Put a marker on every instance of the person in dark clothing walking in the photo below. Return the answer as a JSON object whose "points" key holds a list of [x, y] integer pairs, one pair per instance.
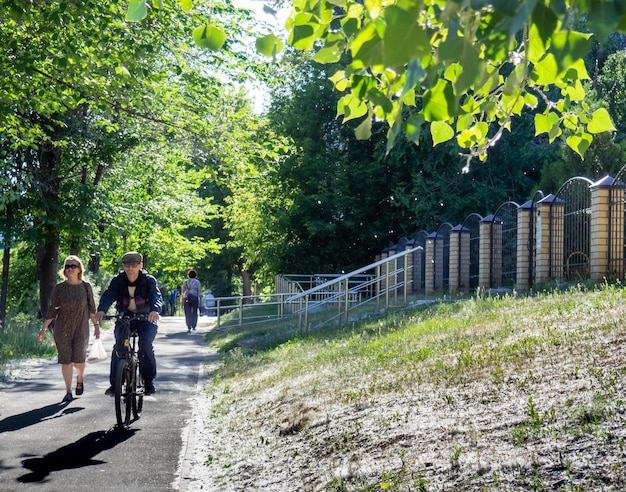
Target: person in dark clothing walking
{"points": [[191, 295], [134, 291]]}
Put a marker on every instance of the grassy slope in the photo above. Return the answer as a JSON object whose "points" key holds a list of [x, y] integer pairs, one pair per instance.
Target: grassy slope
{"points": [[513, 393]]}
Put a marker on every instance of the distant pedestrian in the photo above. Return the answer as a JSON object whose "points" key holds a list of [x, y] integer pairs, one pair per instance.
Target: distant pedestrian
{"points": [[171, 299], [192, 293], [71, 306], [208, 302]]}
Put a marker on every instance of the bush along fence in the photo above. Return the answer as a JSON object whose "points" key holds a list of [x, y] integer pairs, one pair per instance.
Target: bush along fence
{"points": [[576, 234]]}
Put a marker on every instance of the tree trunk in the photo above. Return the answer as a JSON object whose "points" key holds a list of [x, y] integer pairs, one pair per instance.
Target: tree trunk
{"points": [[6, 257], [47, 268], [48, 251], [246, 278]]}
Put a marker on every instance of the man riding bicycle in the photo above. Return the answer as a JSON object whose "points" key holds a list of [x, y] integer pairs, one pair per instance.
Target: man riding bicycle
{"points": [[135, 292]]}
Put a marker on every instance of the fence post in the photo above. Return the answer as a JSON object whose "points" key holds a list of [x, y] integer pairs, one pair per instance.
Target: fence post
{"points": [[484, 263], [600, 204], [455, 259], [429, 287], [524, 247]]}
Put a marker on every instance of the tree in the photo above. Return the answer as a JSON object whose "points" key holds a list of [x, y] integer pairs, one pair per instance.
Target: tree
{"points": [[76, 101]]}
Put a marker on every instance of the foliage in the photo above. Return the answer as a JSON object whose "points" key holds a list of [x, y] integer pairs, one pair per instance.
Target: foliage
{"points": [[101, 120], [460, 67]]}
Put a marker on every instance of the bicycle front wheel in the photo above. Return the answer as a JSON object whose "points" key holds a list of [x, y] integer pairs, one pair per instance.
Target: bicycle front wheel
{"points": [[123, 393], [138, 394]]}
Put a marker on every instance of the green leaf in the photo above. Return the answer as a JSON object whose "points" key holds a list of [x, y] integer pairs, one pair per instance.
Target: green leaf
{"points": [[209, 37], [340, 80], [569, 47], [545, 71], [378, 98], [269, 45], [544, 23], [404, 39], [328, 54], [392, 134], [600, 122], [575, 92], [302, 34], [441, 132], [602, 19], [544, 123], [579, 143], [351, 107], [530, 100], [367, 47], [364, 130], [414, 73], [137, 10], [185, 5], [439, 102], [413, 127]]}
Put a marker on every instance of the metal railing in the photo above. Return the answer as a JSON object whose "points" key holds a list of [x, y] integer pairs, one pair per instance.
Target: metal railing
{"points": [[368, 291]]}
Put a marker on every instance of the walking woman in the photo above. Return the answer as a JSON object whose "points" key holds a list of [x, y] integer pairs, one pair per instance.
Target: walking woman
{"points": [[71, 307], [191, 295]]}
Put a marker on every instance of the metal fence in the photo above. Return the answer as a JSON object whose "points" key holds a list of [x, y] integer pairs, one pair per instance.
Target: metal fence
{"points": [[338, 299]]}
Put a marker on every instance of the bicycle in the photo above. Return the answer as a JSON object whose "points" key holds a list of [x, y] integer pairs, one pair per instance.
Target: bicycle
{"points": [[129, 386]]}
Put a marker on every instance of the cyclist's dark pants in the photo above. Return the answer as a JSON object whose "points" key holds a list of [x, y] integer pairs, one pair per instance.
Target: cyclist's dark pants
{"points": [[147, 363]]}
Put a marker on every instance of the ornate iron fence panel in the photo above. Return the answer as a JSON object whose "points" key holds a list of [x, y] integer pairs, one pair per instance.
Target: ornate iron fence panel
{"points": [[472, 224], [503, 267], [617, 231], [570, 233], [442, 257]]}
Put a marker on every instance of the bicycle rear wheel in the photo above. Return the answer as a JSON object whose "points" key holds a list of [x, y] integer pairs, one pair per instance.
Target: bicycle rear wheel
{"points": [[123, 393]]}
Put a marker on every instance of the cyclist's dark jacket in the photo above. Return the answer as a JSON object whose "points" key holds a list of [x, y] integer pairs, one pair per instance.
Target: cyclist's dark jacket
{"points": [[147, 294]]}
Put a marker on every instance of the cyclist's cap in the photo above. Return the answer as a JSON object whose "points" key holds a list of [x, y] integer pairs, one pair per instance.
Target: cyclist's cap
{"points": [[132, 256]]}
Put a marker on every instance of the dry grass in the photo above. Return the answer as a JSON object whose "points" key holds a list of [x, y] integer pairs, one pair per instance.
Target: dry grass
{"points": [[513, 393]]}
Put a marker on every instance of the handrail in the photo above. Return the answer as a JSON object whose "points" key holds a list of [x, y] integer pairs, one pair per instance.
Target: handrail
{"points": [[380, 281], [354, 272]]}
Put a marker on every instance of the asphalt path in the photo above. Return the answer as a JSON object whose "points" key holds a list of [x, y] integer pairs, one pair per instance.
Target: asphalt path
{"points": [[46, 445]]}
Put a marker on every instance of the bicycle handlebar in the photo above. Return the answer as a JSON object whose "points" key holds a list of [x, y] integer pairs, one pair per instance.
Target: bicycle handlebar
{"points": [[126, 317]]}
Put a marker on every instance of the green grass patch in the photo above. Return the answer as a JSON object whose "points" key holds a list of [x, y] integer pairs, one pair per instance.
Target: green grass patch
{"points": [[18, 340]]}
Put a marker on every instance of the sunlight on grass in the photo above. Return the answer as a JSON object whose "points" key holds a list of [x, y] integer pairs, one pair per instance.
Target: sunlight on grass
{"points": [[539, 361]]}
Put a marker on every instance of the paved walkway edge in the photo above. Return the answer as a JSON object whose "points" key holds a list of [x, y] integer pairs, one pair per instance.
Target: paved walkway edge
{"points": [[186, 461]]}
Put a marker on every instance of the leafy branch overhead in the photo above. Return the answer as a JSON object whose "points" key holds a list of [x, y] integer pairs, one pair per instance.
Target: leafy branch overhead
{"points": [[464, 68], [461, 68]]}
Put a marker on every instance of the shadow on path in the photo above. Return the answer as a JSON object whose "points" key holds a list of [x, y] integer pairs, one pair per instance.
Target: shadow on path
{"points": [[32, 417], [75, 455]]}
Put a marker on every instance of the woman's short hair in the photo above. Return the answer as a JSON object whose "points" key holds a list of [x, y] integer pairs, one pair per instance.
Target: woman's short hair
{"points": [[81, 268]]}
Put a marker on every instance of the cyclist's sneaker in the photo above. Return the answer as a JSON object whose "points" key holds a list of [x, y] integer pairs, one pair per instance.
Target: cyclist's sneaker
{"points": [[149, 389], [110, 391]]}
